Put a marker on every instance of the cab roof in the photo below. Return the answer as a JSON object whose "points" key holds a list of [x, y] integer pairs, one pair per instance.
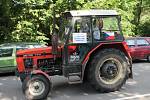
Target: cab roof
{"points": [[92, 12]]}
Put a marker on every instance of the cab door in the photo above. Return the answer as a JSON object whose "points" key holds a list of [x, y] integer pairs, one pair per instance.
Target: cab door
{"points": [[80, 40], [78, 44]]}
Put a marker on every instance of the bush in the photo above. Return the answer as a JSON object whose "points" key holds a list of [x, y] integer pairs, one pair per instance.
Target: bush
{"points": [[144, 28]]}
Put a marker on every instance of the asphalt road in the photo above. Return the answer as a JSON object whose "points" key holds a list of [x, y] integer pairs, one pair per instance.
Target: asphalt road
{"points": [[135, 89]]}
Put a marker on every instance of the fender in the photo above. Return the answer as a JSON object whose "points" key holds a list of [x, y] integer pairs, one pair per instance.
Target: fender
{"points": [[123, 44], [35, 72], [85, 61], [26, 76], [88, 55]]}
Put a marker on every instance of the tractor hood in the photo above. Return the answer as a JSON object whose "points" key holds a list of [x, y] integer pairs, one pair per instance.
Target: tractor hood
{"points": [[34, 51]]}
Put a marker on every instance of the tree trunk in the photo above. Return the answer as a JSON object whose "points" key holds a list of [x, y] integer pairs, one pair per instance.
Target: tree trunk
{"points": [[137, 15]]}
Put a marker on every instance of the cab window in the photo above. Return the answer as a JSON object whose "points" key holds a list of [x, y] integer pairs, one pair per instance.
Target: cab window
{"points": [[106, 28], [7, 52], [81, 30]]}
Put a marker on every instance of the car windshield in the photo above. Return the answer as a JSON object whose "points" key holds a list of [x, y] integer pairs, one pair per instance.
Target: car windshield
{"points": [[130, 42]]}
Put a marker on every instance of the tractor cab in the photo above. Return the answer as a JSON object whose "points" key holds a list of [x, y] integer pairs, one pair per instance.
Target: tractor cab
{"points": [[83, 30]]}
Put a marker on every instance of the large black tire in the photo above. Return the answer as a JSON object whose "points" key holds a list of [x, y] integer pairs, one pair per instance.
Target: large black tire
{"points": [[108, 70], [36, 88]]}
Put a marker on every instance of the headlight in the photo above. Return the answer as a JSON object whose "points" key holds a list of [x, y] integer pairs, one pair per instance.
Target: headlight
{"points": [[28, 62]]}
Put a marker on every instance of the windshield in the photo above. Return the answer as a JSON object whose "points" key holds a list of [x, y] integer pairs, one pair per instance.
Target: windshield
{"points": [[102, 28], [106, 28], [110, 24]]}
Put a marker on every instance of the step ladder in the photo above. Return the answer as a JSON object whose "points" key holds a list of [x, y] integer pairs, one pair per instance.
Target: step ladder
{"points": [[74, 78]]}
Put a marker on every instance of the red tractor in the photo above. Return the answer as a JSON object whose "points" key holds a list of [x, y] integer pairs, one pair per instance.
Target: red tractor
{"points": [[90, 48]]}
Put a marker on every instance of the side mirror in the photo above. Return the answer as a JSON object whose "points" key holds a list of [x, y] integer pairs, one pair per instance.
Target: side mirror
{"points": [[100, 21], [54, 44]]}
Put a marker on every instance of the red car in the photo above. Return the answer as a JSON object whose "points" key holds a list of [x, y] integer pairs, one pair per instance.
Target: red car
{"points": [[139, 47]]}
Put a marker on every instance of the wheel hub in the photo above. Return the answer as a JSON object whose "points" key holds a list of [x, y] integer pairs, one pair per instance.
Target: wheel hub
{"points": [[109, 70], [36, 88]]}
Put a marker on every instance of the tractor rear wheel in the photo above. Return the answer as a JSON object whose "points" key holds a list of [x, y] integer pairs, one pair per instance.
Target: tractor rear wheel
{"points": [[108, 70], [36, 88]]}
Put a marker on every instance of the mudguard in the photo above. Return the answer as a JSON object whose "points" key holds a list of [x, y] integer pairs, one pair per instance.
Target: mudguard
{"points": [[35, 72]]}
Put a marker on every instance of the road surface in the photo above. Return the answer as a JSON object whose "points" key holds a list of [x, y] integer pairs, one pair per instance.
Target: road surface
{"points": [[135, 89]]}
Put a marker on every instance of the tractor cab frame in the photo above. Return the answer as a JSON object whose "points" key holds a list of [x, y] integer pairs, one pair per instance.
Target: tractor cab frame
{"points": [[80, 36]]}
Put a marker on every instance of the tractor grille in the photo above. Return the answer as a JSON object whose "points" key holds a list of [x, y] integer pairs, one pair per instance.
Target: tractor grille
{"points": [[49, 66], [28, 63]]}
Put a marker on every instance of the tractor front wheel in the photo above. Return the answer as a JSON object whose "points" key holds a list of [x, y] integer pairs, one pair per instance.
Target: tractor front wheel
{"points": [[108, 70], [36, 88]]}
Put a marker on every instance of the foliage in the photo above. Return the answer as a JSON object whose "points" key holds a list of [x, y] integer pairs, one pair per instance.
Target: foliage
{"points": [[144, 28], [32, 20], [6, 20], [124, 7], [141, 10]]}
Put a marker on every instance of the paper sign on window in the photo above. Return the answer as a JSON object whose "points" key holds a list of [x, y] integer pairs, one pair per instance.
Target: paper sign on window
{"points": [[79, 37]]}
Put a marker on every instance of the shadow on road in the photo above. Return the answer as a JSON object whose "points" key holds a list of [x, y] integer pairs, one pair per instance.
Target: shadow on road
{"points": [[140, 61], [7, 74]]}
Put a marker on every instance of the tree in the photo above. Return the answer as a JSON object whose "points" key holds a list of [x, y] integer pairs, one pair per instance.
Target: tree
{"points": [[6, 20], [124, 7], [144, 29], [32, 20], [141, 13]]}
